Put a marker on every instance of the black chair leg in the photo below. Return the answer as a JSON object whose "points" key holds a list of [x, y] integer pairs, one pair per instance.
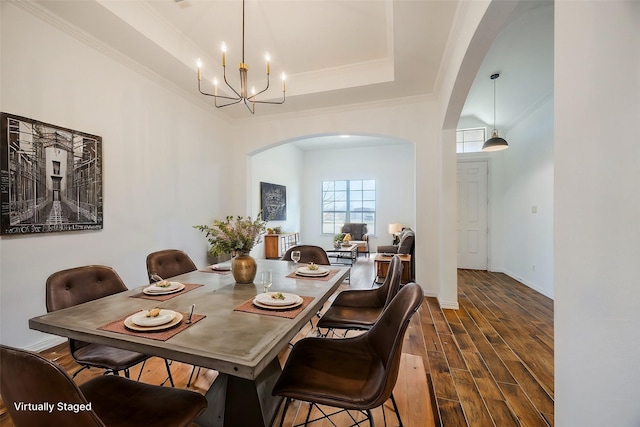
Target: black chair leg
{"points": [[395, 408], [166, 363], [78, 371], [141, 369], [308, 414], [284, 411], [193, 369], [370, 415]]}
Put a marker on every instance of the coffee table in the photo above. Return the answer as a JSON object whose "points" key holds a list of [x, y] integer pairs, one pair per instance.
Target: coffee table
{"points": [[344, 254]]}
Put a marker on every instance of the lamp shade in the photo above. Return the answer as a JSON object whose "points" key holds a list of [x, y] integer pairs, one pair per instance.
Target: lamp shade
{"points": [[495, 143], [394, 228]]}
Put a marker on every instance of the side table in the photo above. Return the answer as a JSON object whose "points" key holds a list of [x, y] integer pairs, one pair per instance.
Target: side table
{"points": [[381, 264]]}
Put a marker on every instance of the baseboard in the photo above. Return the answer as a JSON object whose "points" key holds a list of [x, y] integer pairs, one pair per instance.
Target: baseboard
{"points": [[46, 344], [451, 305], [525, 282]]}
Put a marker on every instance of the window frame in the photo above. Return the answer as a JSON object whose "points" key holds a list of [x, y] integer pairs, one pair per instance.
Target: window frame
{"points": [[475, 142], [346, 196]]}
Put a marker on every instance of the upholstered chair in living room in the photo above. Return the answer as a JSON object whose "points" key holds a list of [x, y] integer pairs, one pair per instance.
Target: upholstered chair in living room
{"points": [[359, 236], [406, 246]]}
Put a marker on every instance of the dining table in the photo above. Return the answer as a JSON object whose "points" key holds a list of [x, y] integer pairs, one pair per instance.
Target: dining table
{"points": [[228, 331]]}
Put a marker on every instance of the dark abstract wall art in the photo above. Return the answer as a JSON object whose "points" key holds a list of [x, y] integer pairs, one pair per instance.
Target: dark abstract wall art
{"points": [[273, 201]]}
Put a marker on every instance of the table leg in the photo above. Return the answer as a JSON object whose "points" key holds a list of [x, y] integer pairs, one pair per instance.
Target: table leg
{"points": [[235, 401]]}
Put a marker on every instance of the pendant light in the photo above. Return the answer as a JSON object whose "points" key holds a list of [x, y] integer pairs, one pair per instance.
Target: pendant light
{"points": [[495, 143]]}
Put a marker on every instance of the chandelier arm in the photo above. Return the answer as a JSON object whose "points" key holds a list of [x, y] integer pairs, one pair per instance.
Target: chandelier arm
{"points": [[252, 108], [219, 96], [224, 76], [271, 102], [235, 101], [253, 97]]}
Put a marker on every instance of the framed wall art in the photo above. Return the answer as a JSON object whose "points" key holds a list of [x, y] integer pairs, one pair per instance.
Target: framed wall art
{"points": [[50, 178], [273, 199]]}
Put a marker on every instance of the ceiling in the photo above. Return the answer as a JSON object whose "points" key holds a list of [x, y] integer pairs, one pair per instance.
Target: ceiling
{"points": [[334, 52]]}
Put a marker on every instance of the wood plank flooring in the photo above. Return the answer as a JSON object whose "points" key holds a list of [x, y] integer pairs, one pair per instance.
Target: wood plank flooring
{"points": [[490, 363]]}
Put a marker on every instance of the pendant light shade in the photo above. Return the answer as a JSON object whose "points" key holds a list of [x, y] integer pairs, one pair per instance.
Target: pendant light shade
{"points": [[495, 143]]}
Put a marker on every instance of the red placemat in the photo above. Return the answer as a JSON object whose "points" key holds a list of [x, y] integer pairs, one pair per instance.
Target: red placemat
{"points": [[187, 287], [290, 313], [118, 326], [323, 278]]}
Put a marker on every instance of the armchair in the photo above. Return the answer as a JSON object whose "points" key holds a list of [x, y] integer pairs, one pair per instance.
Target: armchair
{"points": [[359, 236], [406, 246]]}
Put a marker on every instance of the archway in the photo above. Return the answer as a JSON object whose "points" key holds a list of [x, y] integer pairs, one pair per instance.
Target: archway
{"points": [[302, 163]]}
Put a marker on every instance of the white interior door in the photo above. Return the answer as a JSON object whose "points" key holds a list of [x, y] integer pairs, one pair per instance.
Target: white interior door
{"points": [[473, 215]]}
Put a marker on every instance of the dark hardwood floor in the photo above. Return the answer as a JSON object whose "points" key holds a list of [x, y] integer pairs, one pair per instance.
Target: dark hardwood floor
{"points": [[490, 363]]}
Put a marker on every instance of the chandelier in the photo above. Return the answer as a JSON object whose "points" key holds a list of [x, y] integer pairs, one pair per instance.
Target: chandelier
{"points": [[243, 94]]}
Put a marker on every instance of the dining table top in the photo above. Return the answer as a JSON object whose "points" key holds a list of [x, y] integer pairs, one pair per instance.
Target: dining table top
{"points": [[224, 338]]}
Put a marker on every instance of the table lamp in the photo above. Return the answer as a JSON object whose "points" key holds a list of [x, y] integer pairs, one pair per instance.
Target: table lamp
{"points": [[395, 229]]}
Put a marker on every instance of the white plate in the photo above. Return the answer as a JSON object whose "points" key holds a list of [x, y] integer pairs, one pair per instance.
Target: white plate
{"points": [[277, 307], [128, 323], [157, 290], [304, 271], [141, 318], [267, 299], [221, 267]]}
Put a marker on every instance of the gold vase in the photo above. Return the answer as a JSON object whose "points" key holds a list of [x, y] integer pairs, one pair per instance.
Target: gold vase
{"points": [[244, 268]]}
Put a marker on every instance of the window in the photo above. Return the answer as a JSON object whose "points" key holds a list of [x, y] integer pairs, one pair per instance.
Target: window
{"points": [[348, 201], [470, 140]]}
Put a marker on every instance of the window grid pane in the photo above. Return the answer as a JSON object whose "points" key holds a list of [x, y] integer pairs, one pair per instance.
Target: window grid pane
{"points": [[348, 201], [470, 140]]}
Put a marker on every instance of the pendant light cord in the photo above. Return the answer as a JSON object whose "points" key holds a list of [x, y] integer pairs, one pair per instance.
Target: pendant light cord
{"points": [[494, 77]]}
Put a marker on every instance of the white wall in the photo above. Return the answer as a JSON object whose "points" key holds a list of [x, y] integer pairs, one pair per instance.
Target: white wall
{"points": [[165, 163], [392, 166], [521, 182], [282, 165], [597, 207]]}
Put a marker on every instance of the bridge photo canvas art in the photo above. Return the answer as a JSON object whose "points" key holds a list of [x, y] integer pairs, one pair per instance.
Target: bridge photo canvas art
{"points": [[50, 178]]}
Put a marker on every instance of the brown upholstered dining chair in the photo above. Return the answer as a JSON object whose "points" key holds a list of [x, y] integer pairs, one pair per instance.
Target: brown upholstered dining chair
{"points": [[358, 309], [308, 253], [78, 285], [107, 400], [169, 263], [352, 374]]}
